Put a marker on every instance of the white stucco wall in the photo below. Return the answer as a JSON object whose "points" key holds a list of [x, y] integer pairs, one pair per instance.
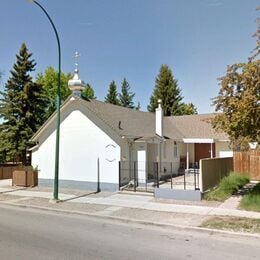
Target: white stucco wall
{"points": [[82, 142]]}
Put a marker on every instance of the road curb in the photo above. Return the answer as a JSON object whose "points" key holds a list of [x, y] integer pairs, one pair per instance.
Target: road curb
{"points": [[129, 220]]}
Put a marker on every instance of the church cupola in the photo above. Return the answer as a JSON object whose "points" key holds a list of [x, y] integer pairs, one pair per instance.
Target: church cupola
{"points": [[76, 85]]}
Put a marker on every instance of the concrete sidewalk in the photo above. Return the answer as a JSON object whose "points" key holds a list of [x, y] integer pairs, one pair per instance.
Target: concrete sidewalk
{"points": [[148, 203], [131, 201]]}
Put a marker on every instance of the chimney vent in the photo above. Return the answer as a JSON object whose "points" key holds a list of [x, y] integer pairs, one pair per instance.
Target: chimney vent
{"points": [[159, 119]]}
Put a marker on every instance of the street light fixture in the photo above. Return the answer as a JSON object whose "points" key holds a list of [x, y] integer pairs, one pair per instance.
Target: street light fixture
{"points": [[56, 174]]}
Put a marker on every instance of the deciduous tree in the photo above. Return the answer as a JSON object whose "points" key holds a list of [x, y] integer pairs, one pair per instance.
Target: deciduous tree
{"points": [[239, 101], [188, 109], [49, 81]]}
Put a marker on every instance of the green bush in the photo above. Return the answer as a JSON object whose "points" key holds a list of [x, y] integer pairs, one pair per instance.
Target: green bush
{"points": [[251, 201], [227, 186]]}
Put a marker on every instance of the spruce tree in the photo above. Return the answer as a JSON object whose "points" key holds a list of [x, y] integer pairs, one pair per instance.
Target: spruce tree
{"points": [[126, 96], [166, 89], [22, 108], [88, 92], [112, 95]]}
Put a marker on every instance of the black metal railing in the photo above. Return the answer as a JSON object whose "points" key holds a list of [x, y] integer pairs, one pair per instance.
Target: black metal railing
{"points": [[145, 176]]}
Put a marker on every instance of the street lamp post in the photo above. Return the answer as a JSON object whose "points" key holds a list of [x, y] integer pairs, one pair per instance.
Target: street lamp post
{"points": [[56, 174]]}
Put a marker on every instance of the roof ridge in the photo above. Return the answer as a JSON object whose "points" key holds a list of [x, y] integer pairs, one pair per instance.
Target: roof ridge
{"points": [[120, 107]]}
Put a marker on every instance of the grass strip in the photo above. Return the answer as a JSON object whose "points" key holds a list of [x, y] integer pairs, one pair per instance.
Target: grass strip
{"points": [[227, 186], [251, 201], [236, 224]]}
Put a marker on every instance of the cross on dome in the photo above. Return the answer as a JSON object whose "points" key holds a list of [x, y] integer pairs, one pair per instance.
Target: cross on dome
{"points": [[76, 85], [76, 57]]}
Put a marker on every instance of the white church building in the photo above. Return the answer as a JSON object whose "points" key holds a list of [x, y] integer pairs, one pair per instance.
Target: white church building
{"points": [[95, 136]]}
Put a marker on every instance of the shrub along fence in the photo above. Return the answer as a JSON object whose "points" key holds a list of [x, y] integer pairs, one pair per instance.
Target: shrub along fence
{"points": [[213, 170], [6, 170], [248, 163]]}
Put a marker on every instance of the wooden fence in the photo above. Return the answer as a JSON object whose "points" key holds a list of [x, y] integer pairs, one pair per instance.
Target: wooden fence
{"points": [[6, 170], [248, 163], [212, 171]]}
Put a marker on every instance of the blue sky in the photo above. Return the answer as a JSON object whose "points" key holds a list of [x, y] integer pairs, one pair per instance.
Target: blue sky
{"points": [[132, 39]]}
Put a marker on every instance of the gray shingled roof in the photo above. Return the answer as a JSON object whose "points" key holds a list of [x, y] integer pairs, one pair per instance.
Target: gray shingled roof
{"points": [[125, 121], [138, 124], [196, 126], [135, 123]]}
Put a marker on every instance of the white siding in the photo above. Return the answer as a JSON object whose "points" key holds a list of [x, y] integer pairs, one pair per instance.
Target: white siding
{"points": [[81, 143]]}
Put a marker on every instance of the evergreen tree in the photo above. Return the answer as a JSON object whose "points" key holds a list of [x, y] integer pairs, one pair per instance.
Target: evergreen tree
{"points": [[88, 92], [112, 95], [166, 89], [22, 108], [49, 81], [126, 96]]}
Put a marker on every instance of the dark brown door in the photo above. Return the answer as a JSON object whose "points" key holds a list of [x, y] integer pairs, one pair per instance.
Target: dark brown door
{"points": [[202, 151]]}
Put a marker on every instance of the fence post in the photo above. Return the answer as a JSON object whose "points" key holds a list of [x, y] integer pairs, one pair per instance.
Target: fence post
{"points": [[194, 173], [198, 179], [157, 174], [135, 176], [184, 179], [146, 178], [171, 175], [98, 176], [119, 173]]}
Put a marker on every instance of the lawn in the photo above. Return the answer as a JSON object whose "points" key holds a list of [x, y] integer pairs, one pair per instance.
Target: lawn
{"points": [[233, 224], [227, 186], [251, 201]]}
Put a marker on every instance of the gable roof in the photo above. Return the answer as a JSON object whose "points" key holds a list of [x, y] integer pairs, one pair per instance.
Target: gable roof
{"points": [[196, 126], [138, 124], [125, 121]]}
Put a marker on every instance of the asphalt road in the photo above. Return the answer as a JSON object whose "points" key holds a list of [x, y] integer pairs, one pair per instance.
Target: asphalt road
{"points": [[35, 234]]}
